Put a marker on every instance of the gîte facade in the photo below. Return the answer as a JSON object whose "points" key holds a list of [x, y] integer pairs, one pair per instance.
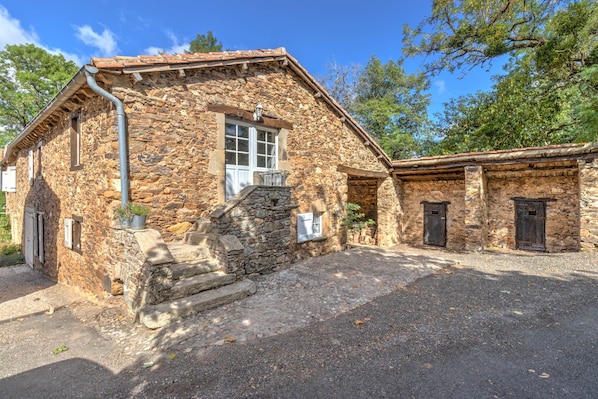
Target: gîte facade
{"points": [[247, 164]]}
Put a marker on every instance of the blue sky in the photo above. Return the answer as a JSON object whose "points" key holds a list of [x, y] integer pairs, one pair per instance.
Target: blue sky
{"points": [[314, 32]]}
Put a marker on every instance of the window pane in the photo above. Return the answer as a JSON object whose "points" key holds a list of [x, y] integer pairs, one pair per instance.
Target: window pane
{"points": [[261, 148], [231, 144], [243, 145], [270, 137], [231, 130], [271, 149], [261, 161], [231, 158], [261, 135], [243, 159], [243, 131], [271, 163]]}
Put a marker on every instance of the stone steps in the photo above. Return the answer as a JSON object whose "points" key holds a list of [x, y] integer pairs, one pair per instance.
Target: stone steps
{"points": [[186, 253], [197, 238], [201, 282], [184, 270], [156, 316]]}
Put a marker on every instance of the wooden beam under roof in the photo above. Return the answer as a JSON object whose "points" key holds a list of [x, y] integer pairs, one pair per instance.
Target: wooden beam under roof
{"points": [[361, 172], [245, 115]]}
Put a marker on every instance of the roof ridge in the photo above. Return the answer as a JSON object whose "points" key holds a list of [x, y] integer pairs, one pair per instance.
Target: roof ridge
{"points": [[124, 61]]}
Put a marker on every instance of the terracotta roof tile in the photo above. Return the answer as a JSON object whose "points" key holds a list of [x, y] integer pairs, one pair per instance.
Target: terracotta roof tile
{"points": [[150, 60]]}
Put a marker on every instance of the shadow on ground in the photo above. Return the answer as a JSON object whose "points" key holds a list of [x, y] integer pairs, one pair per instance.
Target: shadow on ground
{"points": [[460, 332]]}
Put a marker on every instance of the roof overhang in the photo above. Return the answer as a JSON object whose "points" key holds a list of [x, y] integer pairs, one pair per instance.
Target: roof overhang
{"points": [[456, 162], [181, 62]]}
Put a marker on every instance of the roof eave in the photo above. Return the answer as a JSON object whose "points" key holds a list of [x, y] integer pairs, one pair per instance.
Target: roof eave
{"points": [[76, 83], [516, 155]]}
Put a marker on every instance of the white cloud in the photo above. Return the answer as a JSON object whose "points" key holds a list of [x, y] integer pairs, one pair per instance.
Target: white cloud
{"points": [[440, 86], [104, 42], [11, 31], [175, 47]]}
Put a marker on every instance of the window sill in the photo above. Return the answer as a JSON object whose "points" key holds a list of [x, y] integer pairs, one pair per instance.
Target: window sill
{"points": [[315, 239]]}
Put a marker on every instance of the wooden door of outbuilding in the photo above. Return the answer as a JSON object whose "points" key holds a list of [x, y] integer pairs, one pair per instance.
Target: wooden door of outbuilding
{"points": [[435, 223], [530, 224]]}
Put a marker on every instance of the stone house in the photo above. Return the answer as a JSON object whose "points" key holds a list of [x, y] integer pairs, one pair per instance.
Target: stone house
{"points": [[542, 199], [246, 163], [244, 160]]}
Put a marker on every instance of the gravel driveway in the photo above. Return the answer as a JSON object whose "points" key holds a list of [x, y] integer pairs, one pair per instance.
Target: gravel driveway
{"points": [[398, 324]]}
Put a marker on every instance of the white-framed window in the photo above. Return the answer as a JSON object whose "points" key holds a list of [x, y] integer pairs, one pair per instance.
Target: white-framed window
{"points": [[247, 149], [309, 226]]}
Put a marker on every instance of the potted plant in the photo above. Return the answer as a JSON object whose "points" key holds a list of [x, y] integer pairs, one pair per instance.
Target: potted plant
{"points": [[139, 213], [124, 215], [354, 223]]}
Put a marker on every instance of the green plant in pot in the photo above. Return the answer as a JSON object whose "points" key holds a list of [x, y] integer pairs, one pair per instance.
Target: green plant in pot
{"points": [[139, 213], [124, 215], [354, 221]]}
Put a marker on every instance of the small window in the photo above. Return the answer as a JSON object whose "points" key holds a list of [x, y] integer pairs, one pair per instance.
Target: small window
{"points": [[75, 129], [309, 226], [72, 233]]}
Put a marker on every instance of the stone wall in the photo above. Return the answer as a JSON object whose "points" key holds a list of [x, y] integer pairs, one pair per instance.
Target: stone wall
{"points": [[559, 183], [176, 160], [588, 187], [414, 192], [177, 154], [59, 193], [129, 264], [475, 208], [260, 217]]}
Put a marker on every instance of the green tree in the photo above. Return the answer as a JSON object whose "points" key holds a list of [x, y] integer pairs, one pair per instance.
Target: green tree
{"points": [[390, 104], [204, 44], [29, 78], [549, 92]]}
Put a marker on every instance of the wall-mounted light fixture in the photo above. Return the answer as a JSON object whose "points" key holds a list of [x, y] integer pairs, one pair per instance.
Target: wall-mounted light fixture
{"points": [[257, 115]]}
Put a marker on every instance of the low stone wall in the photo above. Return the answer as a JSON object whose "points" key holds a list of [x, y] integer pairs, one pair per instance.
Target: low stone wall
{"points": [[260, 217], [138, 261], [127, 262]]}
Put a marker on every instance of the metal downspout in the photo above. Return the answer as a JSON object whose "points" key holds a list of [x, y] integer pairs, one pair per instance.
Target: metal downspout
{"points": [[90, 72]]}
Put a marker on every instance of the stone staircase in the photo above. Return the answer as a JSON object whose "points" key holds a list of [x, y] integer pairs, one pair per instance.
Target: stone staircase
{"points": [[192, 283]]}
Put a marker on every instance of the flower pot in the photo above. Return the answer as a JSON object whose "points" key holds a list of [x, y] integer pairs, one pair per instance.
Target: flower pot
{"points": [[138, 222], [125, 221]]}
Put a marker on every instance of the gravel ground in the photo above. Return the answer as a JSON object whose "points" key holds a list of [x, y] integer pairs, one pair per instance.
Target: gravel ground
{"points": [[493, 325]]}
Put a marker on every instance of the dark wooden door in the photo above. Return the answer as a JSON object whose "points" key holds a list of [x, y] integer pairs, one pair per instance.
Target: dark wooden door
{"points": [[435, 223], [531, 225]]}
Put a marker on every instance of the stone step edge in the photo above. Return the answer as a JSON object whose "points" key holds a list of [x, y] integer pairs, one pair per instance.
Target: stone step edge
{"points": [[183, 270], [156, 316], [202, 282]]}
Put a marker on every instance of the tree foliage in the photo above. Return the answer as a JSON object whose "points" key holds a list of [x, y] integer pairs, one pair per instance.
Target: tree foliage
{"points": [[204, 44], [390, 104], [549, 92], [29, 78]]}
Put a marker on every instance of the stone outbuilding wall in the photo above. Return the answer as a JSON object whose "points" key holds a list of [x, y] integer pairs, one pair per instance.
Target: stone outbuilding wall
{"points": [[482, 193], [558, 182], [450, 191]]}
